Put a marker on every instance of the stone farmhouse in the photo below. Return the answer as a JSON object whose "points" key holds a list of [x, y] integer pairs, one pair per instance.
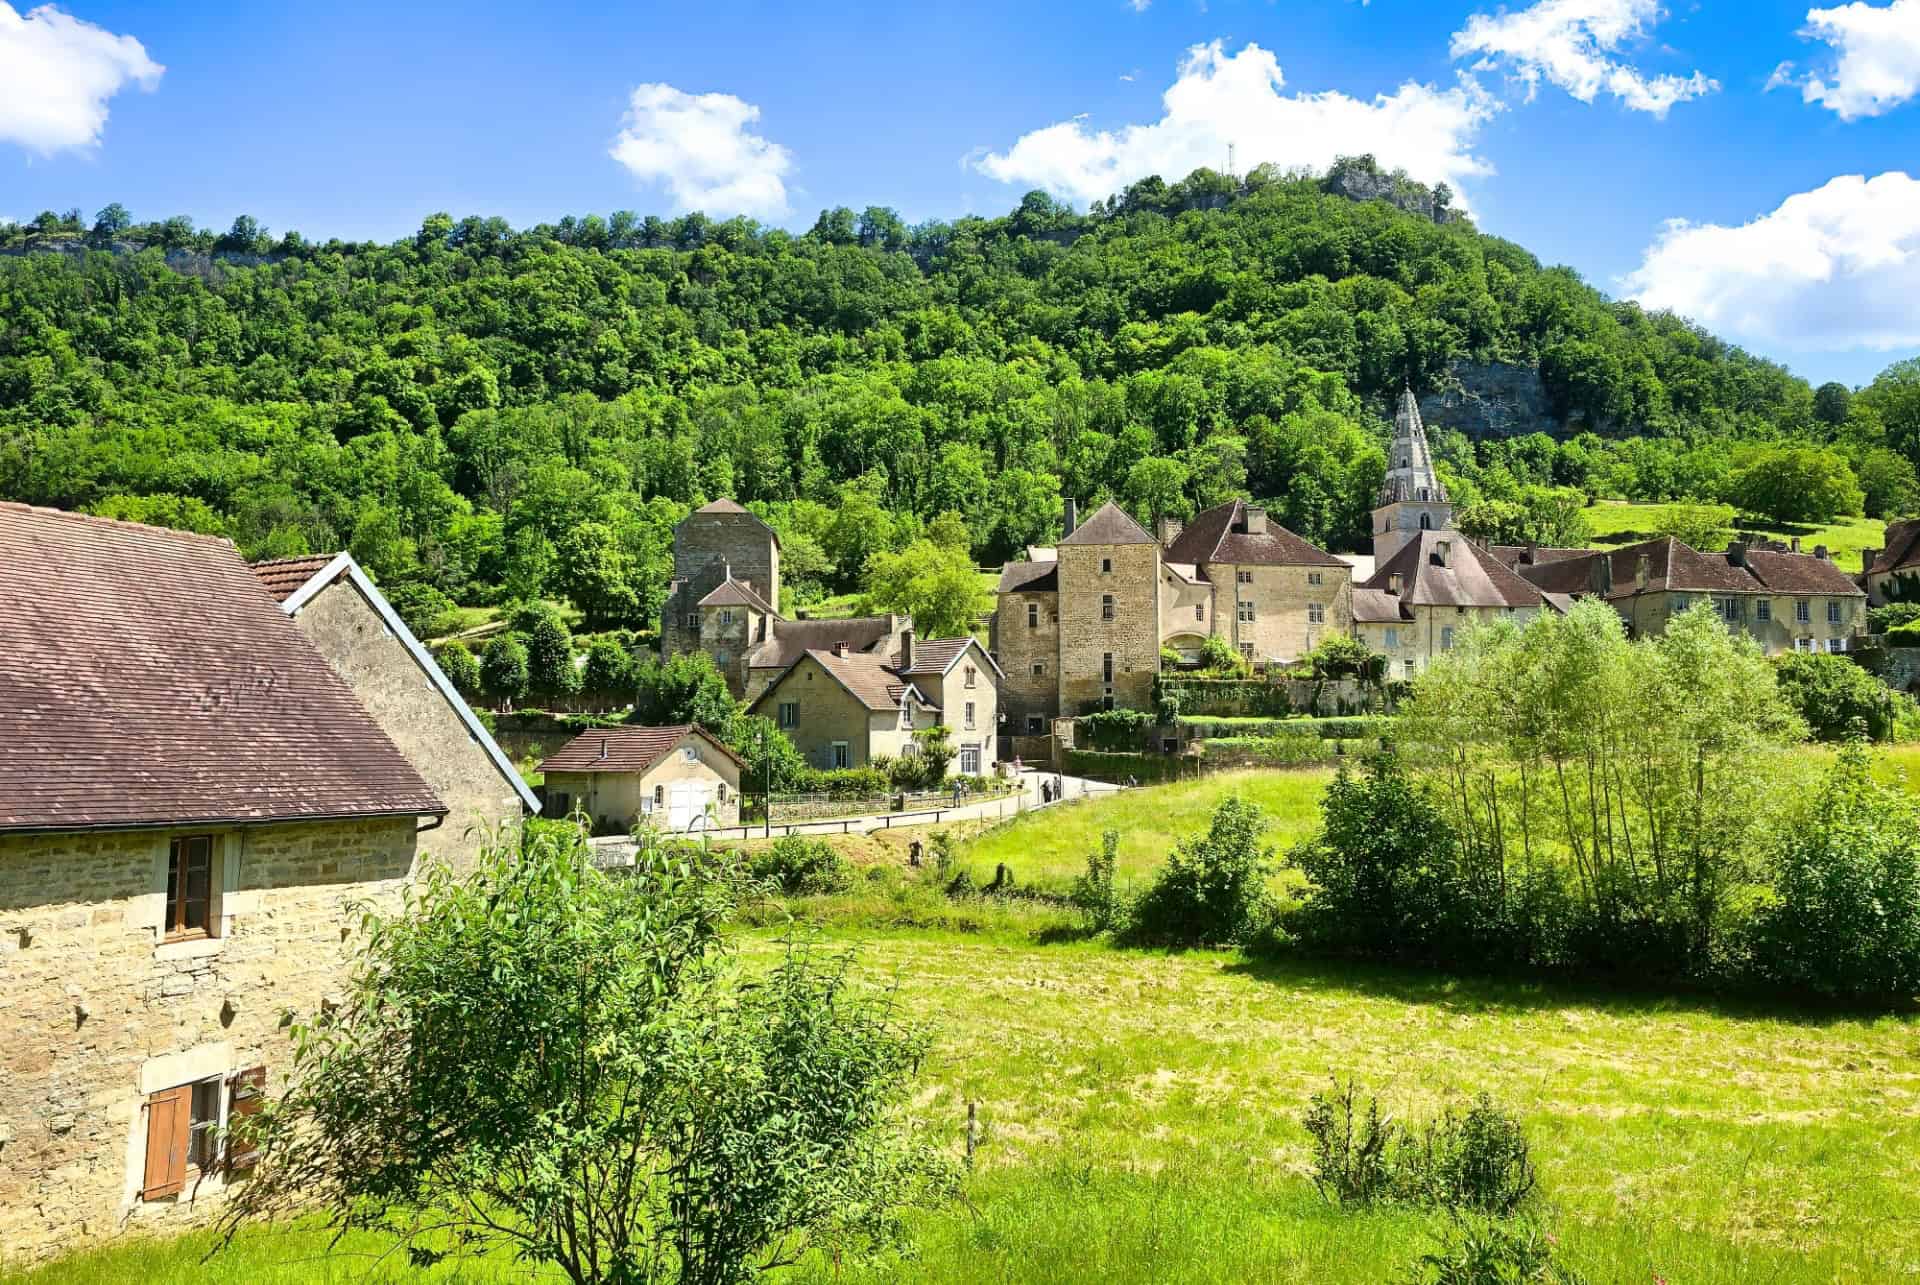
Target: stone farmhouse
{"points": [[192, 802], [1783, 599], [844, 708], [1081, 626], [1892, 574], [679, 779]]}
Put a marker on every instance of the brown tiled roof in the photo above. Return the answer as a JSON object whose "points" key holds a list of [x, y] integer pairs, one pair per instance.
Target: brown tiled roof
{"points": [[1109, 525], [1030, 577], [284, 576], [793, 639], [736, 593], [1220, 535], [626, 749], [867, 675], [1800, 573], [1472, 577], [934, 656], [150, 679], [1902, 548], [1514, 555], [1377, 607]]}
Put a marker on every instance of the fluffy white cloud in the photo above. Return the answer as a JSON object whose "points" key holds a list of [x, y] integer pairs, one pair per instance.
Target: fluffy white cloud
{"points": [[1879, 64], [1568, 43], [1220, 99], [56, 75], [1834, 268], [699, 146]]}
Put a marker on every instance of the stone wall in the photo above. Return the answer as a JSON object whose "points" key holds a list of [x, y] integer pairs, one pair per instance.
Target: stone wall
{"points": [[1132, 637], [416, 717], [1281, 597], [705, 547], [97, 1012], [1028, 693]]}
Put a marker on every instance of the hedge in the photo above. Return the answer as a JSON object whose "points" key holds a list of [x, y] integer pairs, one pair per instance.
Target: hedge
{"points": [[1098, 765], [1341, 728]]}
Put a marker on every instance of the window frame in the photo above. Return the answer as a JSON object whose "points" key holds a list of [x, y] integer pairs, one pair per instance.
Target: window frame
{"points": [[1316, 614], [1106, 606], [176, 906], [1033, 615], [1803, 611], [787, 713]]}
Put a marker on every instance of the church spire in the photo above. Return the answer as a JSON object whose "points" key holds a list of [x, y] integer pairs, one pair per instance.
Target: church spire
{"points": [[1410, 474]]}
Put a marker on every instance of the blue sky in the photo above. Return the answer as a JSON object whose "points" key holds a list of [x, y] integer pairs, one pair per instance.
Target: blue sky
{"points": [[1578, 128]]}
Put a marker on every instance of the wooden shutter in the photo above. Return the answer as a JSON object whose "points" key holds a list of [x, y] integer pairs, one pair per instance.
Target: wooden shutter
{"points": [[246, 1096], [169, 1120]]}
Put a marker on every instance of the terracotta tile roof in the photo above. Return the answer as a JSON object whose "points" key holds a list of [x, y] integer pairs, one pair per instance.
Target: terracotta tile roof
{"points": [[284, 576], [867, 675], [736, 593], [1220, 535], [626, 749], [1800, 573], [1109, 525], [1470, 577], [934, 656], [1902, 549], [1030, 577], [150, 679], [792, 639]]}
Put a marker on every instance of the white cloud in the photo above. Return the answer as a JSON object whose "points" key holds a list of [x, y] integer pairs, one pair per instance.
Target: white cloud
{"points": [[699, 146], [1220, 99], [1567, 43], [56, 75], [1879, 64], [1834, 268]]}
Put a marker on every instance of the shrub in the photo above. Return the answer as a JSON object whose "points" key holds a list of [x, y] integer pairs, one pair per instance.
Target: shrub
{"points": [[503, 667], [1213, 889], [1352, 1149], [1476, 1161], [609, 670], [1882, 619], [1339, 656], [550, 667], [1217, 656], [1836, 697], [460, 667], [1486, 1251], [1116, 730], [1843, 919], [801, 867], [1907, 635], [1094, 892], [422, 608], [844, 782]]}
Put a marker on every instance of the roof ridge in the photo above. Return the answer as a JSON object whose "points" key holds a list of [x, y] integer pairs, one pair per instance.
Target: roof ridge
{"points": [[43, 510], [322, 558]]}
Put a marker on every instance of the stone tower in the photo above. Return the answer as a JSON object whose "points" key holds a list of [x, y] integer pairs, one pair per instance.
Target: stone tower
{"points": [[1411, 499]]}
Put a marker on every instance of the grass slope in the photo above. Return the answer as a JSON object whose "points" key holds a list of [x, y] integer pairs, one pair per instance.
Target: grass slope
{"points": [[1615, 523]]}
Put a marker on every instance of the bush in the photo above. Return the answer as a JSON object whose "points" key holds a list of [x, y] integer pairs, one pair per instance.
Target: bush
{"points": [[1836, 697], [801, 867], [424, 610], [1094, 892], [1881, 620], [503, 667], [1280, 747], [1476, 1161], [1116, 730], [844, 782], [1352, 1149], [1217, 656], [609, 670], [1339, 656], [460, 667], [1843, 919], [1486, 1251], [1213, 889]]}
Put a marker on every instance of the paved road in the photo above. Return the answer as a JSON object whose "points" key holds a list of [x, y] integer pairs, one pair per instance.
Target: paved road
{"points": [[1027, 799]]}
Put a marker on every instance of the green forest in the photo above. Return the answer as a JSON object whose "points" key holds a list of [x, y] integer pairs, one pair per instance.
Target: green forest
{"points": [[487, 414]]}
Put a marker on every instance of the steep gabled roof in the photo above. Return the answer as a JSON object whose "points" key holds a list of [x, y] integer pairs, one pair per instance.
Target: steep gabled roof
{"points": [[1029, 577], [788, 640], [1800, 573], [1220, 535], [1109, 525], [1378, 607], [1469, 577], [736, 593], [940, 655], [277, 575], [149, 679], [627, 749], [1902, 549], [867, 676]]}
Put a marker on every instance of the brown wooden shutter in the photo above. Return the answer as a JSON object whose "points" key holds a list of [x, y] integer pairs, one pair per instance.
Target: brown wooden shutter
{"points": [[169, 1121], [246, 1096]]}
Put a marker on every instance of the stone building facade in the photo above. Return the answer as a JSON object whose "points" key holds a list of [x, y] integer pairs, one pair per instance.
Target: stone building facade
{"points": [[716, 543]]}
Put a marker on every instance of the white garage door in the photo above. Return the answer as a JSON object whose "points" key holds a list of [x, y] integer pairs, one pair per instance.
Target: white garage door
{"points": [[687, 805]]}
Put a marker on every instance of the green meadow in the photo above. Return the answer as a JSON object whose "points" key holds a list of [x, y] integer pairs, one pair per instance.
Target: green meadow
{"points": [[1613, 523]]}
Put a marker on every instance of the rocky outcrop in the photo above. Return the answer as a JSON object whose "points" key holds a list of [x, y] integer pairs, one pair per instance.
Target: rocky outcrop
{"points": [[1362, 182], [1491, 399]]}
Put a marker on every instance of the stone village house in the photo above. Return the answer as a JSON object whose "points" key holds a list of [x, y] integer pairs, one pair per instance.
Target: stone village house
{"points": [[679, 779], [192, 804]]}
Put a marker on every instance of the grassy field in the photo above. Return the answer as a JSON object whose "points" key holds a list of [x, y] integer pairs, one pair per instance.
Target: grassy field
{"points": [[1616, 523]]}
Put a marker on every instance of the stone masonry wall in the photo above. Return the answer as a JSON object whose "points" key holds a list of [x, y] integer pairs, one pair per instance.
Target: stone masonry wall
{"points": [[1132, 636], [1027, 694], [415, 716], [96, 1013], [1282, 628], [705, 546]]}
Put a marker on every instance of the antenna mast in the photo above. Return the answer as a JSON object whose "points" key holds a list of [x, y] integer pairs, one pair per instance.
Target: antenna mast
{"points": [[1231, 173]]}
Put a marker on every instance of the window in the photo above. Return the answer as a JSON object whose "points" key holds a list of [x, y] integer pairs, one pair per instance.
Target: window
{"points": [[1836, 644], [1199, 611], [726, 617], [1246, 650], [1803, 611], [1676, 603], [1393, 636], [1033, 615], [969, 722], [1446, 638], [1763, 609], [1729, 609], [1036, 724], [189, 887], [1407, 666], [789, 713], [840, 756], [1316, 614], [970, 760], [1833, 612], [1039, 669], [1426, 522], [1106, 606], [1246, 612], [721, 795], [693, 621], [659, 796], [906, 714], [1106, 667], [971, 672], [1803, 644], [183, 1129], [1243, 577], [1106, 566], [1313, 577], [688, 754]]}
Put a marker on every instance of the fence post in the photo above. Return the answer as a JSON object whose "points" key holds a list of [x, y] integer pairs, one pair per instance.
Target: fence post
{"points": [[973, 1133]]}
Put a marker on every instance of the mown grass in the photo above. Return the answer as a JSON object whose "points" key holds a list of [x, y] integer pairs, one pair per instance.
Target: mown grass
{"points": [[1615, 523]]}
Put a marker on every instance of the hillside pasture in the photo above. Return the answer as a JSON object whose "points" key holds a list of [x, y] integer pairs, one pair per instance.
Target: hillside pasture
{"points": [[1615, 523]]}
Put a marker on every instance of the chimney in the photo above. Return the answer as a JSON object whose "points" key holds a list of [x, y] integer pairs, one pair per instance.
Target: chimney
{"points": [[1737, 552], [1867, 558], [1442, 551], [840, 647], [1256, 520], [1170, 529], [603, 747], [1530, 554], [1820, 552], [1072, 522], [1641, 566], [906, 648], [1393, 584], [1601, 577]]}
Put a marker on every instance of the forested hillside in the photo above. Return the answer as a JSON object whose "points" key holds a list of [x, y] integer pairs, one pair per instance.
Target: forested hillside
{"points": [[501, 413]]}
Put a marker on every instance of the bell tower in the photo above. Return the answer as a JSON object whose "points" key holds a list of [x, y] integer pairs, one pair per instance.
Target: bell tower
{"points": [[1412, 499]]}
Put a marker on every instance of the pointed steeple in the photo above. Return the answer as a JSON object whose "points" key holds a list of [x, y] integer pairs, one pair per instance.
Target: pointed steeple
{"points": [[1410, 475]]}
